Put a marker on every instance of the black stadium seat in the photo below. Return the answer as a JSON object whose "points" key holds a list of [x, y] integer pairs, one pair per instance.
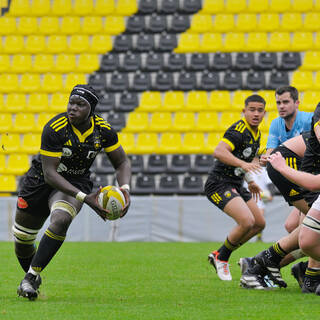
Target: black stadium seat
{"points": [[175, 62], [135, 24], [163, 81], [180, 163], [117, 120], [221, 61], [168, 6], [199, 62], [122, 43], [130, 62], [147, 6], [232, 81], [145, 184], [157, 24], [290, 60], [190, 6], [179, 23], [168, 185], [255, 80], [202, 163], [145, 42], [109, 62], [192, 184], [209, 81], [278, 79], [187, 81], [118, 82], [98, 81], [167, 42], [266, 61], [106, 102], [156, 163], [141, 82], [137, 163], [128, 101], [153, 62], [244, 61]]}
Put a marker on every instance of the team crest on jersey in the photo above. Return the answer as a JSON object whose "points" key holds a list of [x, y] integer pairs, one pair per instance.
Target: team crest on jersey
{"points": [[247, 152], [97, 143], [66, 152], [227, 194]]}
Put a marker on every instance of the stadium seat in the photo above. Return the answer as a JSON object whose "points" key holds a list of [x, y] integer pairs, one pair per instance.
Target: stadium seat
{"points": [[52, 82], [105, 166], [302, 5], [266, 61], [180, 23], [161, 122], [29, 82], [316, 82], [189, 6], [244, 61], [167, 42], [24, 123], [40, 8], [59, 102], [88, 62], [17, 164], [212, 6], [258, 6], [198, 62], [70, 25], [168, 185], [193, 142], [9, 82], [196, 101], [207, 122], [201, 23], [180, 163], [65, 63], [168, 7], [7, 25], [135, 24], [145, 184], [106, 102], [137, 122], [13, 44], [5, 64], [246, 22], [118, 82], [175, 62], [154, 62], [311, 61], [170, 142], [99, 180], [280, 5], [2, 161], [78, 43], [188, 42], [61, 8], [309, 101], [127, 141], [122, 43], [147, 6], [145, 43], [223, 23], [43, 63], [186, 81], [49, 26], [211, 42], [291, 21], [291, 60], [228, 118], [98, 81], [316, 42], [100, 43], [157, 24], [236, 6], [173, 101], [209, 81], [82, 8], [43, 118], [8, 183], [10, 143], [137, 163], [219, 100], [279, 41], [232, 81], [91, 25], [56, 44], [104, 7], [163, 81], [116, 120], [311, 21], [255, 80], [156, 163], [37, 102], [238, 100], [221, 61], [31, 143], [15, 102], [150, 101], [302, 80], [192, 185], [109, 62], [126, 7], [73, 79], [5, 122], [141, 81], [114, 25], [234, 41], [257, 41], [19, 8], [269, 97], [184, 121], [128, 102], [268, 22], [302, 41], [202, 163], [278, 79], [147, 143], [27, 25]]}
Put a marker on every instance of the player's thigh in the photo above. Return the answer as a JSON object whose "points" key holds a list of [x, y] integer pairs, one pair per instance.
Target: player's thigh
{"points": [[60, 197], [256, 212], [238, 209], [28, 220]]}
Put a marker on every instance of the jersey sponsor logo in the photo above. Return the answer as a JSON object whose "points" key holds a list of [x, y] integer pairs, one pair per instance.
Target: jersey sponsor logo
{"points": [[216, 198], [227, 194], [22, 204], [66, 152], [247, 152], [293, 193], [91, 154]]}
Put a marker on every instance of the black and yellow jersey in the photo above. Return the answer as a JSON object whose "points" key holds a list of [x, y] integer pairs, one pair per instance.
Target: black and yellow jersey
{"points": [[244, 145], [313, 142], [76, 151]]}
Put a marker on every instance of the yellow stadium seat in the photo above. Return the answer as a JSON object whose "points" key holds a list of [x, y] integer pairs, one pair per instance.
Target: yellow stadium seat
{"points": [[70, 25], [88, 62], [43, 118], [61, 7], [10, 143], [160, 122], [137, 122], [2, 162], [236, 6], [212, 6], [219, 101], [27, 25], [234, 42], [211, 42], [100, 43], [269, 97], [91, 25], [309, 101], [65, 63], [127, 141], [5, 122], [40, 8], [78, 43], [31, 143], [7, 25], [126, 7], [16, 102], [13, 44], [43, 63], [114, 25], [238, 99], [188, 42], [19, 8], [257, 41], [223, 23], [8, 183], [37, 102], [193, 142], [73, 79], [316, 82], [49, 25], [279, 5], [302, 41], [2, 106], [183, 121], [311, 21], [229, 118], [21, 63], [17, 164], [29, 82], [201, 23], [264, 125], [5, 63], [258, 6], [82, 8], [52, 82], [147, 143], [150, 101], [104, 7], [311, 61], [173, 101], [9, 82], [302, 80], [316, 41], [302, 5], [291, 21], [207, 122], [24, 122], [316, 5], [170, 142], [279, 41], [213, 140], [268, 22], [246, 22], [35, 44], [196, 101], [57, 44], [59, 102]]}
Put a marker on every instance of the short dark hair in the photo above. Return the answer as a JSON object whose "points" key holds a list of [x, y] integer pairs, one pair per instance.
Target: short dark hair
{"points": [[254, 98], [294, 94]]}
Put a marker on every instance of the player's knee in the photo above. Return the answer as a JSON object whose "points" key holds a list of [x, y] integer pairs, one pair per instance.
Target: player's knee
{"points": [[24, 239], [247, 224], [260, 224], [60, 222]]}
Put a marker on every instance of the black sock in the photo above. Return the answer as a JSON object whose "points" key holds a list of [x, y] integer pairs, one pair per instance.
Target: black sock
{"points": [[276, 253], [313, 273], [25, 262], [226, 249], [48, 247]]}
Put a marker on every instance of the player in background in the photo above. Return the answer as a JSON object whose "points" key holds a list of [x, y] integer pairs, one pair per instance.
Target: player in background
{"points": [[58, 182], [234, 157]]}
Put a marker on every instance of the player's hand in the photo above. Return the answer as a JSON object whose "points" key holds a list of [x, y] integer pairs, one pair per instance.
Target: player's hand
{"points": [[277, 161], [263, 160], [92, 201], [128, 202], [251, 167], [255, 190]]}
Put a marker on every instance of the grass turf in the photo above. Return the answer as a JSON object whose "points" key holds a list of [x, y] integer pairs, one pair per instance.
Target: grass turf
{"points": [[146, 281]]}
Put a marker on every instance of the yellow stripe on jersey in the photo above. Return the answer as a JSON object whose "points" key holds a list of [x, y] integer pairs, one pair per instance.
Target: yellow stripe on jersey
{"points": [[240, 127], [255, 135], [102, 123], [62, 126], [114, 147], [50, 153], [229, 143], [58, 123], [82, 137]]}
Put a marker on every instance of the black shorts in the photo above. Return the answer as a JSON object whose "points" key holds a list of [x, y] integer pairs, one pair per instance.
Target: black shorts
{"points": [[34, 193], [290, 191], [220, 191]]}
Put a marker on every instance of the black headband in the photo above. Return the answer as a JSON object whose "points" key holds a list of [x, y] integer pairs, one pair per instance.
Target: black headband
{"points": [[86, 94]]}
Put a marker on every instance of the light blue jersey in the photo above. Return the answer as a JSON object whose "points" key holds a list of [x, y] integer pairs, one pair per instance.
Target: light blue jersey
{"points": [[279, 134]]}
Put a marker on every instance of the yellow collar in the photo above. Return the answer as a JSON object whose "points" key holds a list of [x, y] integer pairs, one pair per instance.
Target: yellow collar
{"points": [[82, 137]]}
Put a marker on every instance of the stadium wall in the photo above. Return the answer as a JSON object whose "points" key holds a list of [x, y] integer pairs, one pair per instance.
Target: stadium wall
{"points": [[157, 218]]}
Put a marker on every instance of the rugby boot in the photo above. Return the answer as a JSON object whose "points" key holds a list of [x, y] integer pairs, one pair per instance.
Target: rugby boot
{"points": [[222, 267], [298, 271], [29, 286], [310, 285]]}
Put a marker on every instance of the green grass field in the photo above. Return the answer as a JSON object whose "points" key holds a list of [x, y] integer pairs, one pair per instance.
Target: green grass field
{"points": [[146, 281]]}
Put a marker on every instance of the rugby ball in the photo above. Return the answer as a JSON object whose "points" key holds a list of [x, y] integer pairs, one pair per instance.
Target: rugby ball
{"points": [[112, 199]]}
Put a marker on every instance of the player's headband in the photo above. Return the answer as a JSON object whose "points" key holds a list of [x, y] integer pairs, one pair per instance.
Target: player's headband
{"points": [[86, 94]]}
